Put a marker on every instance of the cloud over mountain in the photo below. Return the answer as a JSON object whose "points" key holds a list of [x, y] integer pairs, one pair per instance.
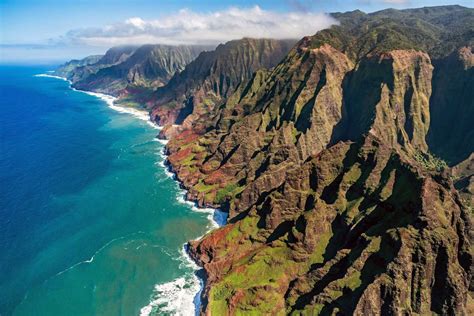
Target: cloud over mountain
{"points": [[189, 27]]}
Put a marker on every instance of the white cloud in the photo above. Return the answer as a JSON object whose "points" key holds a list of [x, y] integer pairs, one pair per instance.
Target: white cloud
{"points": [[188, 27]]}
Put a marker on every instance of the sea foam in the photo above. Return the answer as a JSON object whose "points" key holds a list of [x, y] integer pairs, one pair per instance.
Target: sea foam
{"points": [[110, 101], [182, 296], [52, 76], [179, 296]]}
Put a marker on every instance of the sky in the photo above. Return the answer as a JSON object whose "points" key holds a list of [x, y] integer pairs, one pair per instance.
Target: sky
{"points": [[50, 31]]}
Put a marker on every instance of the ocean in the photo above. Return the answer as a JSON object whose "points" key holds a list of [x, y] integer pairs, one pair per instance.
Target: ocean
{"points": [[92, 222]]}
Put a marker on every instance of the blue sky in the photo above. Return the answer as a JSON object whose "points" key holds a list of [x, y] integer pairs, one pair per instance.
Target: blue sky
{"points": [[52, 30]]}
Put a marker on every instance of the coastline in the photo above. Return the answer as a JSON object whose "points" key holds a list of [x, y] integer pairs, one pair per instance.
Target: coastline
{"points": [[216, 217]]}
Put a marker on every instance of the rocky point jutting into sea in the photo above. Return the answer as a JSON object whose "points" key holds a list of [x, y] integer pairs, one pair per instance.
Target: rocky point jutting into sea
{"points": [[344, 161]]}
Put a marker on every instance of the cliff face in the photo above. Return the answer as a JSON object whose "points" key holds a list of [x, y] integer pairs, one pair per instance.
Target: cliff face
{"points": [[336, 203], [81, 69], [451, 135], [313, 99], [68, 68], [150, 66], [213, 76], [388, 96]]}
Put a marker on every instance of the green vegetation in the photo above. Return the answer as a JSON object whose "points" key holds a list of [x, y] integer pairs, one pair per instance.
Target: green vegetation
{"points": [[436, 30], [245, 227], [204, 188], [430, 162], [317, 256], [228, 192], [262, 269], [188, 161]]}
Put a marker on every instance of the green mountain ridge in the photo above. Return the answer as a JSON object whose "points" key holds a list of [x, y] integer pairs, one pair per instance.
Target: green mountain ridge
{"points": [[435, 30]]}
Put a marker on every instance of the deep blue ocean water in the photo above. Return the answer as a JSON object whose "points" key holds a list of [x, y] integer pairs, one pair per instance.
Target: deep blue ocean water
{"points": [[90, 220]]}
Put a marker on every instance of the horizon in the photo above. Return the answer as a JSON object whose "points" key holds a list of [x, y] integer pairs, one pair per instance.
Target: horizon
{"points": [[81, 32]]}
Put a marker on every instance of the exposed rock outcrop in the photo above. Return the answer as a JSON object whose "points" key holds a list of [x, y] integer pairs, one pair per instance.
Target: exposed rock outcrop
{"points": [[451, 135]]}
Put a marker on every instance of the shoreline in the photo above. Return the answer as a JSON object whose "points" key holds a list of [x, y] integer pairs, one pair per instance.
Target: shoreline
{"points": [[217, 218]]}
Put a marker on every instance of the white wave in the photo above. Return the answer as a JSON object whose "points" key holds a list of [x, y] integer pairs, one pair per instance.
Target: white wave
{"points": [[91, 259], [175, 297], [104, 97], [140, 114], [52, 76], [162, 163], [216, 217], [110, 100], [180, 296], [165, 169], [161, 141]]}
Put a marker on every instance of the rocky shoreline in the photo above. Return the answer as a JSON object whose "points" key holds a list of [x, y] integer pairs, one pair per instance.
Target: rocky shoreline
{"points": [[203, 273]]}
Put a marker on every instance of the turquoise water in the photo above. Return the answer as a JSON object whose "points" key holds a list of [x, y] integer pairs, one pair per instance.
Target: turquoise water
{"points": [[91, 221]]}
